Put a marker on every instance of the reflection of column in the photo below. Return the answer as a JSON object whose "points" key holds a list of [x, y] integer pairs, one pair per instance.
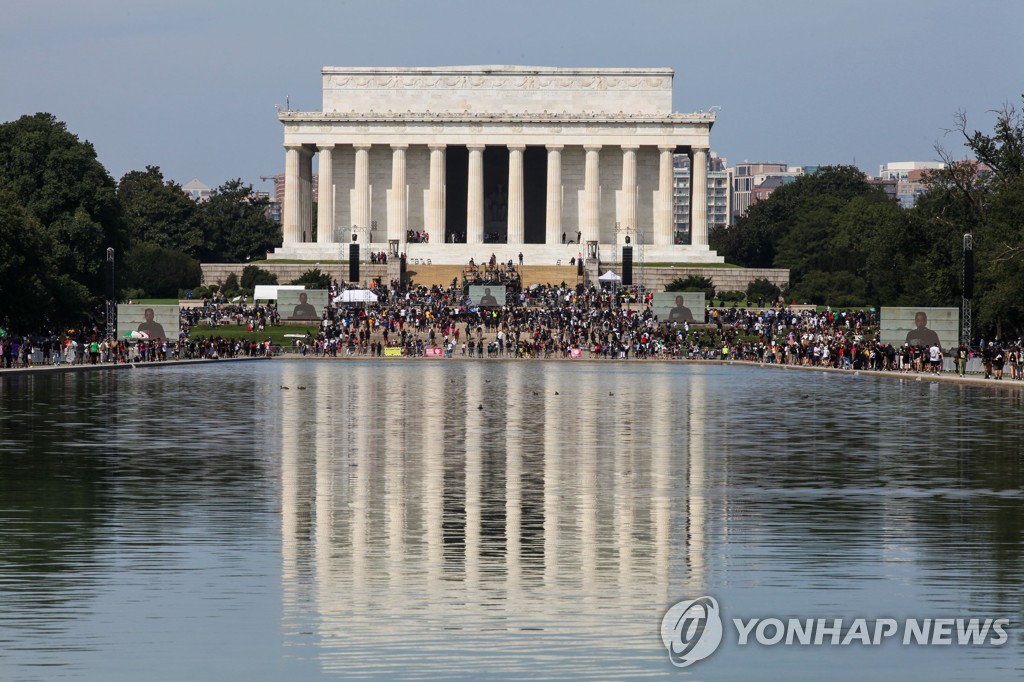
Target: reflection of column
{"points": [[696, 480], [325, 195], [361, 196], [699, 197], [664, 222], [554, 426], [553, 217], [433, 503], [515, 194], [515, 431], [622, 510], [475, 197], [397, 221], [292, 211], [662, 420], [396, 449], [588, 510], [592, 193], [474, 465], [629, 187], [436, 205], [290, 413]]}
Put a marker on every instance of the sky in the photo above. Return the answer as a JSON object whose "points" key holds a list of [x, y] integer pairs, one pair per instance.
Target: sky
{"points": [[191, 85]]}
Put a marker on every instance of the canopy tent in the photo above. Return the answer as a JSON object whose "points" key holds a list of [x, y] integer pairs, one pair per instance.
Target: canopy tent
{"points": [[268, 292], [356, 296], [609, 277]]}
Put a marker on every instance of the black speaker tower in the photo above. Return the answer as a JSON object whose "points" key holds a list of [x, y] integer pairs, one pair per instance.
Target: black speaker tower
{"points": [[627, 266], [353, 262]]}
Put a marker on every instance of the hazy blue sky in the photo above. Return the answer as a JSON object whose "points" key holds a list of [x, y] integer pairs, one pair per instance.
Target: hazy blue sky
{"points": [[191, 85]]}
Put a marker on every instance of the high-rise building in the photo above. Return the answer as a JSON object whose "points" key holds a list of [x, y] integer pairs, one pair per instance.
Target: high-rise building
{"points": [[745, 176], [718, 198]]}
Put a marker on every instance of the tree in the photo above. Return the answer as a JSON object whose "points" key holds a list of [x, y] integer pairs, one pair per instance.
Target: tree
{"points": [[236, 225], [27, 268], [314, 279], [693, 283], [58, 180], [159, 211], [253, 275], [984, 197], [160, 272]]}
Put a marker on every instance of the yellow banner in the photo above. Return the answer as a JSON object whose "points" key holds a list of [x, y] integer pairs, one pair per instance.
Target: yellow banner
{"points": [[390, 352]]}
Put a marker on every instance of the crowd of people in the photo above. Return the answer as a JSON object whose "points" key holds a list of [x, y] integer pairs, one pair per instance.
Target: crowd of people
{"points": [[550, 321]]}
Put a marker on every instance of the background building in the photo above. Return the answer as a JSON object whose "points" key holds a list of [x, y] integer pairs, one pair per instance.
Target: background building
{"points": [[719, 199], [909, 177]]}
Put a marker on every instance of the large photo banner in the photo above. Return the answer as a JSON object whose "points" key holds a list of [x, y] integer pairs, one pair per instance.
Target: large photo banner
{"points": [[487, 295], [302, 306], [143, 321], [921, 327], [679, 306]]}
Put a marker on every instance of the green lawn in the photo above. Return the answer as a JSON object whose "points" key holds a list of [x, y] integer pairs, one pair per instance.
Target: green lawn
{"points": [[236, 331], [156, 301]]}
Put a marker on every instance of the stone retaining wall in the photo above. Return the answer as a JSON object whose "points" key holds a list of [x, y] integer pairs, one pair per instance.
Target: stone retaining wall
{"points": [[654, 278]]}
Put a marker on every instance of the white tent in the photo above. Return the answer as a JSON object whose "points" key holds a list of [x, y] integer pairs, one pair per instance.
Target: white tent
{"points": [[356, 296], [609, 277], [268, 292]]}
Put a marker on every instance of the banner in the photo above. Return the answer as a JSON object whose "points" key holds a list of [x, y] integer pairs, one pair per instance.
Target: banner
{"points": [[433, 352], [576, 352], [393, 352]]}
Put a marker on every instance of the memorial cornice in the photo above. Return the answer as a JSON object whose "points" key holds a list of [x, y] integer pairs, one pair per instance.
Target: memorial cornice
{"points": [[427, 117]]}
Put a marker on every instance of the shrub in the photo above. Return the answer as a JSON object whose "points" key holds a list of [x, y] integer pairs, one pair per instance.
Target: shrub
{"points": [[253, 275], [693, 283], [764, 290], [314, 279]]}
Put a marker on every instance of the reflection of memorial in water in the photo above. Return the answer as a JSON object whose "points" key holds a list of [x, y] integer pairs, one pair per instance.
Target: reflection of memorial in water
{"points": [[422, 511]]}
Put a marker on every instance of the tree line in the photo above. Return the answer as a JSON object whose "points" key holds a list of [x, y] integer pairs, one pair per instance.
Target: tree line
{"points": [[847, 243], [60, 210]]}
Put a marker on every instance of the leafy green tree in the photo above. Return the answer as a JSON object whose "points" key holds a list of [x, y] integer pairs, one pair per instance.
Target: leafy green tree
{"points": [[761, 288], [236, 225], [159, 212], [693, 283], [314, 279], [984, 198], [59, 181], [27, 269], [253, 275], [160, 272]]}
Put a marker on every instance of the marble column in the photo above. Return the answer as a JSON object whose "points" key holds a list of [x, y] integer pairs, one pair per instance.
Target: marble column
{"points": [[516, 217], [325, 195], [628, 217], [306, 193], [664, 220], [292, 218], [699, 196], [475, 197], [361, 195], [397, 221], [553, 216], [592, 194], [435, 198]]}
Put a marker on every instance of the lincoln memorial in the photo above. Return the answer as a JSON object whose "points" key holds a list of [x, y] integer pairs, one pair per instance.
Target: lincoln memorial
{"points": [[453, 163]]}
